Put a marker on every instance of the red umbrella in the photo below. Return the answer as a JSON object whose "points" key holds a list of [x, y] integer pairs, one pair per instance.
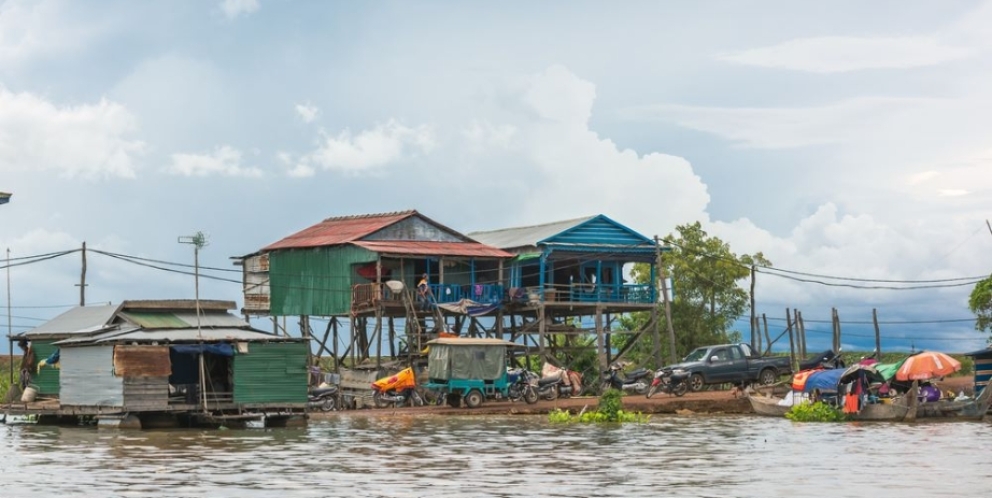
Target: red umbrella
{"points": [[927, 365]]}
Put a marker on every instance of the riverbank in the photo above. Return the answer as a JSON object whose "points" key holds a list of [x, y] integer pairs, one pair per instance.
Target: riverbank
{"points": [[699, 403]]}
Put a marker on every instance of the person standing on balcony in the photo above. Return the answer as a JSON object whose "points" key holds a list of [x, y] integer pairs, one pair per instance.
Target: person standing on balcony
{"points": [[424, 292]]}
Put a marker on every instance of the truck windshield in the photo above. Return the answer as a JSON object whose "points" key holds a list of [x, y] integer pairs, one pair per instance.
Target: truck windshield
{"points": [[696, 355]]}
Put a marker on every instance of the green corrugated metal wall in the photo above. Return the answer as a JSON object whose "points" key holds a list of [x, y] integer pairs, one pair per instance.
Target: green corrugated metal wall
{"points": [[271, 373], [48, 380], [314, 281]]}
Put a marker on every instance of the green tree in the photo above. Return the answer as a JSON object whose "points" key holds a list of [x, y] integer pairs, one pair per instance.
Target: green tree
{"points": [[708, 296], [980, 303]]}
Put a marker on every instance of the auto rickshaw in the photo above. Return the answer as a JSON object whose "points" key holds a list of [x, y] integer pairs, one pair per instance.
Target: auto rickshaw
{"points": [[468, 368]]}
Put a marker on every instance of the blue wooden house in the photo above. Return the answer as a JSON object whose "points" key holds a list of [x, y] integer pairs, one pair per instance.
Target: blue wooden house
{"points": [[583, 260]]}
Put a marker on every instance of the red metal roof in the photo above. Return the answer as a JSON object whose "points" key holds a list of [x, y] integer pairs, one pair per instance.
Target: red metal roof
{"points": [[340, 230], [421, 248]]}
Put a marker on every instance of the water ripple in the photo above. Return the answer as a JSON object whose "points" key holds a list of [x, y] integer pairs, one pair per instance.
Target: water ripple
{"points": [[503, 456]]}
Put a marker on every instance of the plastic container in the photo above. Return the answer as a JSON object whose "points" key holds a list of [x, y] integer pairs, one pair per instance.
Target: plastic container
{"points": [[30, 393]]}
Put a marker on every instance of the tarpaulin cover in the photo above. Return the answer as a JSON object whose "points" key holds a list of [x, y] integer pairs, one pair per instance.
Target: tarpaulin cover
{"points": [[468, 307], [824, 380], [800, 378], [475, 361], [888, 370], [221, 349]]}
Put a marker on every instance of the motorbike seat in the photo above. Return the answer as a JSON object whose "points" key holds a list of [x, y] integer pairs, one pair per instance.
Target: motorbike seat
{"points": [[323, 391], [636, 374], [678, 376], [548, 380]]}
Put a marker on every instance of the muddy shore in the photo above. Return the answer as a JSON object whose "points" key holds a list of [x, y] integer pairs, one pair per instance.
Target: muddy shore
{"points": [[699, 403]]}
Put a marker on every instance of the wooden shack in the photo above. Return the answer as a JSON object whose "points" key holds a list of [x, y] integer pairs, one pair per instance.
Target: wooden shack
{"points": [[162, 358]]}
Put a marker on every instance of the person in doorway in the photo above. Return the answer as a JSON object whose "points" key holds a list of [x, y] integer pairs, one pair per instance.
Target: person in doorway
{"points": [[424, 292], [27, 362]]}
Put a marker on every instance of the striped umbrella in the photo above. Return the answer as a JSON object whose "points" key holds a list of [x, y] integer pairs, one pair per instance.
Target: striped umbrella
{"points": [[927, 365]]}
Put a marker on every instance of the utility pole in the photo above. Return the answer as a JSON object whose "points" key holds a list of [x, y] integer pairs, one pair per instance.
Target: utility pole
{"points": [[198, 240], [657, 325], [82, 279]]}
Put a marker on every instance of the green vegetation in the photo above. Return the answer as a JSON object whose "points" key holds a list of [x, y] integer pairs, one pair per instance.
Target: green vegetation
{"points": [[610, 410], [814, 412], [708, 298], [980, 303]]}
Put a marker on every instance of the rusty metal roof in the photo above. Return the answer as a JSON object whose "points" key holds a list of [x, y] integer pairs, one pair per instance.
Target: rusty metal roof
{"points": [[423, 248], [339, 230]]}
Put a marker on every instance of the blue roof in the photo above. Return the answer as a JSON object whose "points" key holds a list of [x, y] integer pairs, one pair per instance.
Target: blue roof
{"points": [[591, 233]]}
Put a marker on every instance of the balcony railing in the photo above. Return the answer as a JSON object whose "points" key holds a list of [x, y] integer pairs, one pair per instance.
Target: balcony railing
{"points": [[594, 293]]}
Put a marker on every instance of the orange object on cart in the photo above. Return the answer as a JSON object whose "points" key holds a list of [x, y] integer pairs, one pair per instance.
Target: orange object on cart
{"points": [[403, 380]]}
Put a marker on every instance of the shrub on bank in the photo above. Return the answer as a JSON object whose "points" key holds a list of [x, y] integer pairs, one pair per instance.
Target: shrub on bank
{"points": [[610, 410], [814, 412]]}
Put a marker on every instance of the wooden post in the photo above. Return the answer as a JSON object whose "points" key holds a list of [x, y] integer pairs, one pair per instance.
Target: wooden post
{"points": [[839, 341], [668, 310], [802, 333], [768, 338], [392, 338], [654, 311], [540, 330], [878, 336], [600, 342], [792, 342], [337, 359], [755, 325], [753, 342], [799, 336]]}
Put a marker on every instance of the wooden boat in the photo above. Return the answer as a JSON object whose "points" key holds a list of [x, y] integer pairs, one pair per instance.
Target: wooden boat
{"points": [[970, 409], [901, 409], [768, 406]]}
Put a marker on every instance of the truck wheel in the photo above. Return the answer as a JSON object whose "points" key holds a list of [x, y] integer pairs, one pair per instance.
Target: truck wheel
{"points": [[767, 376], [696, 382], [473, 399]]}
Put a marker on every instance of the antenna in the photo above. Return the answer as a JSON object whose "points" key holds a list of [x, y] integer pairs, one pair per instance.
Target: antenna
{"points": [[199, 241]]}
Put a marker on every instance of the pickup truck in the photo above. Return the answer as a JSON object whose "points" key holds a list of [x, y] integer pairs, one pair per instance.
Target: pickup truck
{"points": [[731, 363]]}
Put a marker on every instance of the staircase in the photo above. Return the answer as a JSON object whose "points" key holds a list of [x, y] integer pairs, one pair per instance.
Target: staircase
{"points": [[417, 332]]}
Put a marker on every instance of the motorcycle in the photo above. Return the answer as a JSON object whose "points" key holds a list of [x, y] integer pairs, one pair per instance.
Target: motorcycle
{"points": [[324, 399], [828, 359], [558, 383], [397, 390], [615, 378], [668, 380], [521, 386]]}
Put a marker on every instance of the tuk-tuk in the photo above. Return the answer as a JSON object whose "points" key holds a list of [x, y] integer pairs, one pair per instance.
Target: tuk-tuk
{"points": [[468, 368]]}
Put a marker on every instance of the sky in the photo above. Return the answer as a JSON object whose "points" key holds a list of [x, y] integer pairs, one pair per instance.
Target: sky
{"points": [[845, 139]]}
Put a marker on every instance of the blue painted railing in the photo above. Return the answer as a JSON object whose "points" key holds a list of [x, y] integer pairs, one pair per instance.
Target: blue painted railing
{"points": [[480, 293], [601, 293]]}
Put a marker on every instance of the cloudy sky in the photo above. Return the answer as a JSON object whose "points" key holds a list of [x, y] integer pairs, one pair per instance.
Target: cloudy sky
{"points": [[840, 139]]}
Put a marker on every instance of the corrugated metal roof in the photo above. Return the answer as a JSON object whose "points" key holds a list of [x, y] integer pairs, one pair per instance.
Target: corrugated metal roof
{"points": [[529, 236], [154, 320], [340, 230], [421, 248], [192, 335], [213, 320], [79, 320], [99, 336]]}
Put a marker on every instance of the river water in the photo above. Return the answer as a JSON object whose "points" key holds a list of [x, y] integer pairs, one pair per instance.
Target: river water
{"points": [[503, 456]]}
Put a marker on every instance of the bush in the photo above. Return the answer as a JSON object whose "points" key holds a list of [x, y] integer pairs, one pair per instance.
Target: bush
{"points": [[610, 410], [814, 412]]}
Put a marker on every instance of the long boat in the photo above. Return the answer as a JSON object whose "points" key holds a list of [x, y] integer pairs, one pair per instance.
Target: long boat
{"points": [[902, 408], [969, 409]]}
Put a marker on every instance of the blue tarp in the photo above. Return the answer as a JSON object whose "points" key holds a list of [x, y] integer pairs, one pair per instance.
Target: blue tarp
{"points": [[824, 380], [221, 349]]}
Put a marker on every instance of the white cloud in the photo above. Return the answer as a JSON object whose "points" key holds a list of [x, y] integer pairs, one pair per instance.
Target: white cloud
{"points": [[952, 192], [307, 112], [967, 37], [369, 149], [785, 127], [538, 152], [832, 54], [223, 160], [89, 140], [30, 29], [235, 8]]}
